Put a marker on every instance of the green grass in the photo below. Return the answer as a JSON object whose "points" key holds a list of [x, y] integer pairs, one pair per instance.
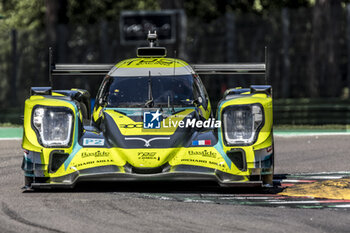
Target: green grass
{"points": [[10, 125], [11, 132]]}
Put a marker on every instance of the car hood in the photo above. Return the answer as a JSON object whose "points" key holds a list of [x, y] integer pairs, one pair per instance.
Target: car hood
{"points": [[124, 127]]}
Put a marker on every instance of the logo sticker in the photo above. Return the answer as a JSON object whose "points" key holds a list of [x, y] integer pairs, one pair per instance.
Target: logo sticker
{"points": [[147, 155], [147, 142], [151, 120], [203, 153], [95, 154], [93, 142], [201, 143]]}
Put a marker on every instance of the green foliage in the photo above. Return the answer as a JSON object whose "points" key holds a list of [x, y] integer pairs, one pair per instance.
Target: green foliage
{"points": [[271, 4], [212, 9], [27, 18], [30, 14], [92, 11], [23, 14], [206, 10]]}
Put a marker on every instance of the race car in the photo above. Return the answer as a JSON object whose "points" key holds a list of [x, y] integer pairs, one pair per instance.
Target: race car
{"points": [[152, 120]]}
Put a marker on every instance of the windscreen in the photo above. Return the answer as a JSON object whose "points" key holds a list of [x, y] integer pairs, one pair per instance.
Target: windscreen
{"points": [[160, 90]]}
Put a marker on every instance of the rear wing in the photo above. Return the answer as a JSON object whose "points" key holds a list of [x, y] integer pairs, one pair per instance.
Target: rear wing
{"points": [[210, 69], [234, 68], [248, 68], [103, 69], [80, 69]]}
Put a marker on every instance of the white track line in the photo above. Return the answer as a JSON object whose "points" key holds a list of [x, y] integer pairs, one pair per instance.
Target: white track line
{"points": [[246, 198], [10, 139], [325, 177], [340, 206], [295, 181], [293, 202], [306, 134], [331, 173]]}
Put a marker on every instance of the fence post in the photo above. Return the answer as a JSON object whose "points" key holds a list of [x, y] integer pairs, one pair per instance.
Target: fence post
{"points": [[61, 51], [13, 80], [105, 52], [230, 43], [348, 44], [182, 33], [285, 53]]}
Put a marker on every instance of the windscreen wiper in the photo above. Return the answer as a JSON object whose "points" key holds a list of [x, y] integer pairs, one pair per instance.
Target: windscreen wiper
{"points": [[150, 101], [172, 105]]}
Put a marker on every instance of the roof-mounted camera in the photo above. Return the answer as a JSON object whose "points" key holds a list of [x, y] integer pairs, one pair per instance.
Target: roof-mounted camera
{"points": [[152, 38], [152, 50]]}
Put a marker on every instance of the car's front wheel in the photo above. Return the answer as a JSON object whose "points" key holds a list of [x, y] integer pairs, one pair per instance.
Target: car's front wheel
{"points": [[28, 181], [268, 179]]}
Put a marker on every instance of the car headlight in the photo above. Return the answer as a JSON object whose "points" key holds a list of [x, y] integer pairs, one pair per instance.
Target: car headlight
{"points": [[242, 123], [53, 125]]}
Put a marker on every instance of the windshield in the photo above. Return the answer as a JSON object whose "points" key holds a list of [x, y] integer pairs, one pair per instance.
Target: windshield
{"points": [[165, 90]]}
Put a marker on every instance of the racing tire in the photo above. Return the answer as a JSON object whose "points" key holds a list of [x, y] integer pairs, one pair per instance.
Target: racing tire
{"points": [[268, 179], [28, 181], [84, 110]]}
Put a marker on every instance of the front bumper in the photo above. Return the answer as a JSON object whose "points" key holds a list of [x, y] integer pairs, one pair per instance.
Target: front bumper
{"points": [[178, 173]]}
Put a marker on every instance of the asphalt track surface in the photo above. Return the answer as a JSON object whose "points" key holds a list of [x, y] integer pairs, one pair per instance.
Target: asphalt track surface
{"points": [[182, 207]]}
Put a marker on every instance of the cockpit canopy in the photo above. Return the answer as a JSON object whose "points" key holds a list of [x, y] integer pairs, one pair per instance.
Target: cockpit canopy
{"points": [[136, 91]]}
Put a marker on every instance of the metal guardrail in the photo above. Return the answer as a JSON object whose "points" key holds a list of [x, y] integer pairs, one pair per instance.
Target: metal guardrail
{"points": [[286, 112], [311, 111]]}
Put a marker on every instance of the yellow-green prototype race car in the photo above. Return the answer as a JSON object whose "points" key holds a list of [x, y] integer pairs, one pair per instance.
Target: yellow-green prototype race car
{"points": [[152, 120]]}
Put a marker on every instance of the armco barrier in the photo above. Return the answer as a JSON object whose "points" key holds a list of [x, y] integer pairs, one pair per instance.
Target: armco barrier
{"points": [[286, 112], [312, 111]]}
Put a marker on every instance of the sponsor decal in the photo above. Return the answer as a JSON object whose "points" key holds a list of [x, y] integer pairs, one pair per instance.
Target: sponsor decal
{"points": [[156, 61], [93, 142], [154, 120], [95, 154], [91, 163], [151, 120], [201, 143], [148, 155], [203, 161], [192, 123], [84, 164], [194, 160], [147, 142], [203, 153]]}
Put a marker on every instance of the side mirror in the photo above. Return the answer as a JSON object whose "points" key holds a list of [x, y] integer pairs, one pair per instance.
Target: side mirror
{"points": [[198, 101], [101, 101]]}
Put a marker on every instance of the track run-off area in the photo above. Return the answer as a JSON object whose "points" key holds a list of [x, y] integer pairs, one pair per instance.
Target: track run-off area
{"points": [[312, 194]]}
